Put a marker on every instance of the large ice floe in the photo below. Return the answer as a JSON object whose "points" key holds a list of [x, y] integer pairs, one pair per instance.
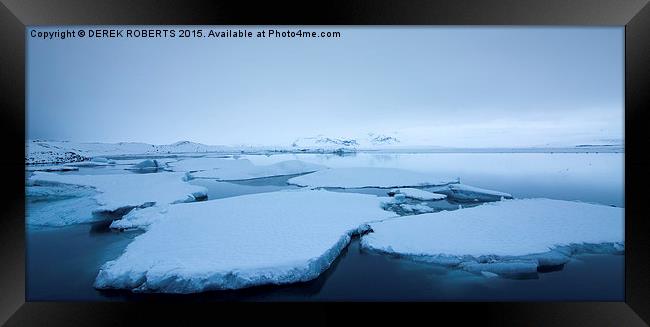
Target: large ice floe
{"points": [[268, 238], [116, 192], [241, 169], [363, 177], [505, 237]]}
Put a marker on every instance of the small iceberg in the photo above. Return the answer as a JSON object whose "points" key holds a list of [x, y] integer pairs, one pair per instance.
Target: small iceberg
{"points": [[505, 237], [416, 208], [124, 192], [418, 194], [466, 193], [364, 177], [266, 238], [147, 166], [149, 163]]}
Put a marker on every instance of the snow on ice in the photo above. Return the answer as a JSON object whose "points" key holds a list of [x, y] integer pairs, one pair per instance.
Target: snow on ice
{"points": [[418, 194], [268, 238], [130, 190], [505, 237]]}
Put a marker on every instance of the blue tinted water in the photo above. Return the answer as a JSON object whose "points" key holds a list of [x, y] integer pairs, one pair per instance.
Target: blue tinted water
{"points": [[63, 262]]}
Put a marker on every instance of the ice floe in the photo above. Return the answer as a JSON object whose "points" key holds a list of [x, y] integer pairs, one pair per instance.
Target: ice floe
{"points": [[201, 164], [147, 166], [59, 205], [360, 177], [416, 208], [418, 194], [51, 168], [505, 237], [141, 218], [466, 193], [130, 190], [402, 205], [241, 169], [268, 238], [162, 162], [289, 167], [94, 162]]}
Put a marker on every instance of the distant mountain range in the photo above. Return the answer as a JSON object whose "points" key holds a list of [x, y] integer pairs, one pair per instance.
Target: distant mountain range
{"points": [[52, 152], [371, 140]]}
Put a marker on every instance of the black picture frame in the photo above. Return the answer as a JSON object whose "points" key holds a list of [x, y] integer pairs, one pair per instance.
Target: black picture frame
{"points": [[16, 15]]}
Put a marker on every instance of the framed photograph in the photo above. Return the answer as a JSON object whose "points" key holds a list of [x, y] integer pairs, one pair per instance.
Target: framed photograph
{"points": [[475, 156]]}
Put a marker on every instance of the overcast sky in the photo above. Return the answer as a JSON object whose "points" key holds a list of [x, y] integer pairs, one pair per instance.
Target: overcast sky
{"points": [[474, 87]]}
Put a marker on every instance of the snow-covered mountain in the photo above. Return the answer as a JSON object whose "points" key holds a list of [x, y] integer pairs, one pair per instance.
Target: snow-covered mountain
{"points": [[322, 142], [380, 139]]}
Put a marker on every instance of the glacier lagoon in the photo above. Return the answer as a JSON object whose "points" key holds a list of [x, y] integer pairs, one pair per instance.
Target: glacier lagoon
{"points": [[63, 261]]}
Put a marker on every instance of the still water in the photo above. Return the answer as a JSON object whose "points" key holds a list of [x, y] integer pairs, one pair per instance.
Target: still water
{"points": [[62, 262]]}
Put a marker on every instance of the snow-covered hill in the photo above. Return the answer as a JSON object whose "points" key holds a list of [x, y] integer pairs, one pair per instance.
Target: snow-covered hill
{"points": [[42, 152]]}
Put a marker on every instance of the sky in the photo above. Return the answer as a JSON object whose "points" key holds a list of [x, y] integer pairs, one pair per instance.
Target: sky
{"points": [[435, 86]]}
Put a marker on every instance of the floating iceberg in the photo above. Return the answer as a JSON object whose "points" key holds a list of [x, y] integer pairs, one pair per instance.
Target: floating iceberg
{"points": [[131, 190], [289, 167], [147, 166], [361, 177], [148, 163], [465, 193], [418, 194], [505, 237], [268, 238], [416, 208]]}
